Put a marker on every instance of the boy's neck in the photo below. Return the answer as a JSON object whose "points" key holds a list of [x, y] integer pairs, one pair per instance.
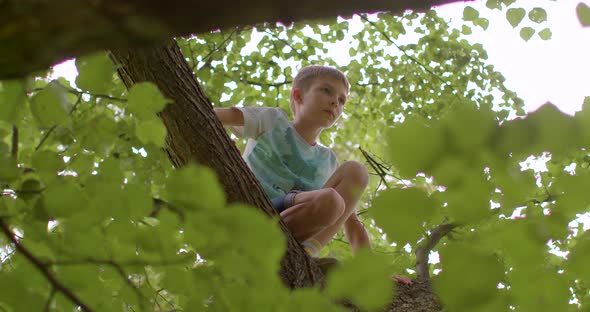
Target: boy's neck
{"points": [[309, 133]]}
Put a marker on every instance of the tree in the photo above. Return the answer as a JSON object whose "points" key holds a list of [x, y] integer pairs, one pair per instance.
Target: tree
{"points": [[125, 250]]}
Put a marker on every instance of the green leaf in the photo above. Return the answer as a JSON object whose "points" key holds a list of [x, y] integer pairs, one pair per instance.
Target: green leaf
{"points": [[583, 12], [470, 14], [470, 200], [526, 33], [494, 4], [310, 299], [195, 187], [545, 34], [95, 73], [470, 128], [64, 198], [47, 163], [466, 30], [364, 279], [515, 16], [415, 146], [145, 100], [8, 169], [483, 23], [469, 277], [12, 98], [556, 131], [98, 134], [551, 291], [29, 188], [151, 131], [577, 259], [238, 249], [402, 212], [50, 106], [538, 15], [138, 200]]}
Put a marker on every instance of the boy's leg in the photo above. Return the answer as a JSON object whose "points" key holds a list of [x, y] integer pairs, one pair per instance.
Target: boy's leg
{"points": [[349, 180], [312, 212], [320, 214]]}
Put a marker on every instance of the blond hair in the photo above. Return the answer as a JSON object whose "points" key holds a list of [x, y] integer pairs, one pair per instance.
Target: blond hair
{"points": [[307, 75]]}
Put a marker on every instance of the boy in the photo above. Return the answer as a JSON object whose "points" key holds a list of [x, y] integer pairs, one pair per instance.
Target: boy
{"points": [[314, 196]]}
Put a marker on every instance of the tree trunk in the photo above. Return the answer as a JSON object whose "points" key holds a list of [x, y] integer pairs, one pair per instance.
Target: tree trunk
{"points": [[35, 34], [195, 133]]}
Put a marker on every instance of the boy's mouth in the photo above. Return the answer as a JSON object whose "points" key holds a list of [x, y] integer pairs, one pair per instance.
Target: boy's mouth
{"points": [[330, 112]]}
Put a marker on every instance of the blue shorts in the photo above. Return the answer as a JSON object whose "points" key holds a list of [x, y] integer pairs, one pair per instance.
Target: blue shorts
{"points": [[284, 202]]}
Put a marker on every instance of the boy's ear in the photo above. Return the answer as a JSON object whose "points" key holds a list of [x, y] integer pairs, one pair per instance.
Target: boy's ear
{"points": [[297, 95]]}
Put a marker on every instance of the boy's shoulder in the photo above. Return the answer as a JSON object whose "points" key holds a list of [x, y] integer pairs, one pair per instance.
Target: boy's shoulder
{"points": [[263, 110]]}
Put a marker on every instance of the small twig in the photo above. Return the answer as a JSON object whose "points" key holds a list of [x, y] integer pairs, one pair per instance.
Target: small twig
{"points": [[367, 84], [217, 48], [42, 268], [379, 169], [159, 293], [159, 204], [287, 43], [76, 92], [14, 151], [48, 133], [261, 84], [44, 138], [7, 256], [413, 59], [422, 269], [125, 277], [130, 263], [48, 303], [147, 281]]}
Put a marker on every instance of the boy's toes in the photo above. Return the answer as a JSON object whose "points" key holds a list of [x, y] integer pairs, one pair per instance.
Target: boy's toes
{"points": [[402, 279]]}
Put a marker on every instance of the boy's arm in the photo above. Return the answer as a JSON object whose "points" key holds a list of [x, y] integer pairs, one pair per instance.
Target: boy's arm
{"points": [[356, 233], [230, 116]]}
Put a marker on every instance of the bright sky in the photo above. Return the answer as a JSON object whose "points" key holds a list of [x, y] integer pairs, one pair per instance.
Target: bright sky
{"points": [[557, 70]]}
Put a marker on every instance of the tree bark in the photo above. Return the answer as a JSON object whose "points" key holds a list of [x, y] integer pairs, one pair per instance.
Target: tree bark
{"points": [[35, 34]]}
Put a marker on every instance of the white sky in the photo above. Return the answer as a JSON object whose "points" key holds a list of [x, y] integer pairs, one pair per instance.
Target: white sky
{"points": [[557, 70]]}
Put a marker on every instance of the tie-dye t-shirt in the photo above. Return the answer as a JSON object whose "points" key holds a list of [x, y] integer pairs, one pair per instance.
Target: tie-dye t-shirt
{"points": [[279, 157]]}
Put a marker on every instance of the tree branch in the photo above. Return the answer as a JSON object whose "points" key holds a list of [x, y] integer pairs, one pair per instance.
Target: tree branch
{"points": [[34, 36], [43, 268], [94, 261], [14, 151], [422, 269], [223, 44], [413, 59], [48, 133]]}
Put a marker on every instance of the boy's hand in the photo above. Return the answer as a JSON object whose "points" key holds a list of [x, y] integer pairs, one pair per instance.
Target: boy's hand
{"points": [[401, 279]]}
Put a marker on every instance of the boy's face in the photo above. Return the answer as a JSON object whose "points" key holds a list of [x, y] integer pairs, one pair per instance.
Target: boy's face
{"points": [[322, 104]]}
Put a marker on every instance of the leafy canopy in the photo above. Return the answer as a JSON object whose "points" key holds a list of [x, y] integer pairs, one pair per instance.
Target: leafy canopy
{"points": [[89, 192]]}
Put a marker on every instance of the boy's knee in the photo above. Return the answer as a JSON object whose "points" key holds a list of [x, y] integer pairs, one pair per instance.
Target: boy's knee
{"points": [[357, 172], [330, 206]]}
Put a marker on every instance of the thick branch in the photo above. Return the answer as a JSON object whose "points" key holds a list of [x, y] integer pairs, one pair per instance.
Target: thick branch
{"points": [[422, 270], [42, 268], [35, 34]]}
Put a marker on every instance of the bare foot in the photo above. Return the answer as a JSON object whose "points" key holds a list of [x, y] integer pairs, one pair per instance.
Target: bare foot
{"points": [[402, 279]]}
